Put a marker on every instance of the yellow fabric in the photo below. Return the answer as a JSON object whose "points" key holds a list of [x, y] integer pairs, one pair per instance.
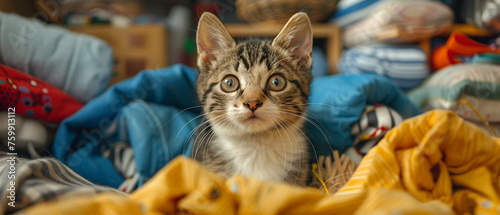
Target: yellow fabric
{"points": [[435, 163]]}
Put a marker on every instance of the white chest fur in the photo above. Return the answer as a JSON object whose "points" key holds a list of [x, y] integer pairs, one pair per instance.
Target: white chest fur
{"points": [[270, 156]]}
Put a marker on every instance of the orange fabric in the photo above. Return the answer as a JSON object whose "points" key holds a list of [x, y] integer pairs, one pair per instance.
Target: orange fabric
{"points": [[457, 45], [435, 163]]}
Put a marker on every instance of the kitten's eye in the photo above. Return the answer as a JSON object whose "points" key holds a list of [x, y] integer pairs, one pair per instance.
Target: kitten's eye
{"points": [[229, 84], [276, 83]]}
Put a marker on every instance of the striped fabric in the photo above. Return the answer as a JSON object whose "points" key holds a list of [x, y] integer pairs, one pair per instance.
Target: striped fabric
{"points": [[41, 180], [375, 122], [406, 65], [122, 155], [351, 11], [435, 163]]}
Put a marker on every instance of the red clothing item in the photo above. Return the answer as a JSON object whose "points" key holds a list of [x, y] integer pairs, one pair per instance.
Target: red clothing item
{"points": [[32, 97], [458, 45]]}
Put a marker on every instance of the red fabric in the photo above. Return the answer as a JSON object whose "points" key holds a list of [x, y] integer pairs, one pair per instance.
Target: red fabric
{"points": [[34, 98]]}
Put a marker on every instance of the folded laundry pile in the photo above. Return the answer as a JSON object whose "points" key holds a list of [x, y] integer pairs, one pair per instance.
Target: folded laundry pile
{"points": [[379, 37], [78, 64]]}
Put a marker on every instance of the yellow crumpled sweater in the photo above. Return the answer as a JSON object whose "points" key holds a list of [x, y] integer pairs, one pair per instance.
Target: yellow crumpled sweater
{"points": [[435, 163]]}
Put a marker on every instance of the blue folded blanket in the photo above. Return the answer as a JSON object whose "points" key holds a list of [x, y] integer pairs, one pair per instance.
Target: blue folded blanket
{"points": [[156, 112]]}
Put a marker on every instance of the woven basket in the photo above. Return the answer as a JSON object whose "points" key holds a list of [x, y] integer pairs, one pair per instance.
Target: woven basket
{"points": [[281, 10]]}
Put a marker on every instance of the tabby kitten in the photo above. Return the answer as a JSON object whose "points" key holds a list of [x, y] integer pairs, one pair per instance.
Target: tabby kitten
{"points": [[253, 95]]}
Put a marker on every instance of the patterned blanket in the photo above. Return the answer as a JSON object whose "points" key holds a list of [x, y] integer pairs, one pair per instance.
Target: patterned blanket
{"points": [[24, 182]]}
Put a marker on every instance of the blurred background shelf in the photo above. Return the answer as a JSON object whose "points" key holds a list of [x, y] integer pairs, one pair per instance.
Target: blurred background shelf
{"points": [[469, 30], [135, 47]]}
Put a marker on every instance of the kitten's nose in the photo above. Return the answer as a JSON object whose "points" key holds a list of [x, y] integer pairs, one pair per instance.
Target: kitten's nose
{"points": [[253, 105]]}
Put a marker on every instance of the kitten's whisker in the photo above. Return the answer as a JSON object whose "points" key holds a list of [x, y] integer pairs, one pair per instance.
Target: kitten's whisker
{"points": [[334, 178], [284, 146], [196, 129], [308, 113], [185, 124], [300, 165], [336, 185], [309, 104], [213, 124], [308, 140], [224, 122], [221, 117], [182, 111], [203, 131], [182, 128], [210, 135], [312, 123], [194, 153]]}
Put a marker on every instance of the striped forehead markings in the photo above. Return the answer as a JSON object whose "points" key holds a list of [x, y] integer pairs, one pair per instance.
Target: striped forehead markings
{"points": [[251, 53]]}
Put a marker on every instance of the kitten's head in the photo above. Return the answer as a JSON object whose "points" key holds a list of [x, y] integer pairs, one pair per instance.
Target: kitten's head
{"points": [[255, 85]]}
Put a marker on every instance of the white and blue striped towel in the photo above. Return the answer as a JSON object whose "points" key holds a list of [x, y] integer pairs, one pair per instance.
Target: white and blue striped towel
{"points": [[405, 65]]}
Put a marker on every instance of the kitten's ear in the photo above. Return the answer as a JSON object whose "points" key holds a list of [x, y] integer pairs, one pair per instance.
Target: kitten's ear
{"points": [[211, 38], [297, 37]]}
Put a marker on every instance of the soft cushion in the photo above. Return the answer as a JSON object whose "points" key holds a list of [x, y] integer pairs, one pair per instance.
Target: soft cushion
{"points": [[78, 64], [478, 84], [32, 97]]}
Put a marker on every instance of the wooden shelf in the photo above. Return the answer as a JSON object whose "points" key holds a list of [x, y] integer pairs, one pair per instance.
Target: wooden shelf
{"points": [[327, 31]]}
